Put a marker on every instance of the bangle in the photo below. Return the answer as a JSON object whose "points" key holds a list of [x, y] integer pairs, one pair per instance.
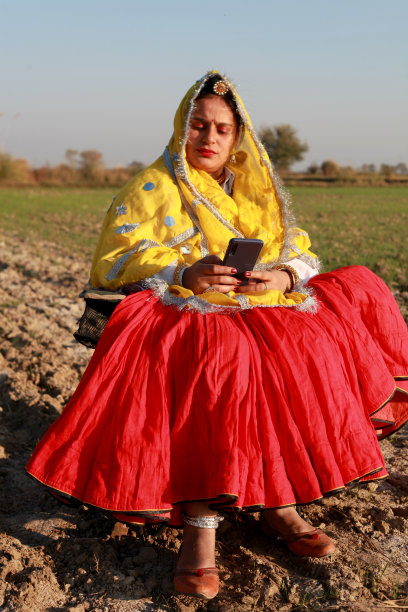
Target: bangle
{"points": [[294, 276], [177, 272]]}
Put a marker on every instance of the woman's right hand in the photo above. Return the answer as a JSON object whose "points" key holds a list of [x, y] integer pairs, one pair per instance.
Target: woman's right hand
{"points": [[209, 273]]}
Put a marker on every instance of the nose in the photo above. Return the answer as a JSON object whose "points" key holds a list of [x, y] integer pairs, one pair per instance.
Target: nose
{"points": [[209, 134]]}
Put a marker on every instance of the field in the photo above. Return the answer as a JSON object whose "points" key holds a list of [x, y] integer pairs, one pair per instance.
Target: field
{"points": [[347, 225], [357, 225], [55, 558]]}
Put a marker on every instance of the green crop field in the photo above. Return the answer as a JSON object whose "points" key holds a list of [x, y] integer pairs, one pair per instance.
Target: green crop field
{"points": [[347, 225], [357, 225]]}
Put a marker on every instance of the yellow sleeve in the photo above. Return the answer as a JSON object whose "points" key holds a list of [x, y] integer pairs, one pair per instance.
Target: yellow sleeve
{"points": [[140, 226], [300, 243]]}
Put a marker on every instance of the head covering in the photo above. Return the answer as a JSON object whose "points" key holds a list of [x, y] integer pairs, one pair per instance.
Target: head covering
{"points": [[173, 212]]}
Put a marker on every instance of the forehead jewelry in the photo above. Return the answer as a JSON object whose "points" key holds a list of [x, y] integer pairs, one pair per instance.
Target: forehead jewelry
{"points": [[220, 88]]}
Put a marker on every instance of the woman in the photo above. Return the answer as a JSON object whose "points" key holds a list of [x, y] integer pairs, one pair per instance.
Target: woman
{"points": [[206, 393]]}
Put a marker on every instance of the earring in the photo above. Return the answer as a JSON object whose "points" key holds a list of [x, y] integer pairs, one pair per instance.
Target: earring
{"points": [[232, 159]]}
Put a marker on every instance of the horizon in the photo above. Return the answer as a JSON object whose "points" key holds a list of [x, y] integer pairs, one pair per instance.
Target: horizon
{"points": [[109, 77]]}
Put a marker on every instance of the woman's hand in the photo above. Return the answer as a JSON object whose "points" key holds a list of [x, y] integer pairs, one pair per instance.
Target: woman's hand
{"points": [[209, 273], [266, 279]]}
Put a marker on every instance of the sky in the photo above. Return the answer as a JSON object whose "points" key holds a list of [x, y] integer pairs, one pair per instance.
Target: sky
{"points": [[109, 74]]}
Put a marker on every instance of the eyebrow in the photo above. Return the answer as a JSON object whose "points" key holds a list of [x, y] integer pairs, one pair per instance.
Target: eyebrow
{"points": [[195, 118]]}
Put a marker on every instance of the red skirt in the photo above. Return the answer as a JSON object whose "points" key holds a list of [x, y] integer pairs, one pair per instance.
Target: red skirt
{"points": [[266, 407]]}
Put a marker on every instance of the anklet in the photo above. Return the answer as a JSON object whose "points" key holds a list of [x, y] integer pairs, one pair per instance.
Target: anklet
{"points": [[205, 522]]}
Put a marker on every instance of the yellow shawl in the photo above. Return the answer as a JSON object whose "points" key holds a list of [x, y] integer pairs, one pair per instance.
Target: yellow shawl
{"points": [[173, 213]]}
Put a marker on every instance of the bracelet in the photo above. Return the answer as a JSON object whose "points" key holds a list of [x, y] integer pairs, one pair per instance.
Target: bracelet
{"points": [[294, 276], [177, 272]]}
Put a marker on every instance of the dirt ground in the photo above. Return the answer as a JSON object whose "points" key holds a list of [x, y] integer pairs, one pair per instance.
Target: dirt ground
{"points": [[53, 557]]}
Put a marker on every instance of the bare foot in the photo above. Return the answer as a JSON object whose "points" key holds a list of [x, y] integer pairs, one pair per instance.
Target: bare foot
{"points": [[286, 521]]}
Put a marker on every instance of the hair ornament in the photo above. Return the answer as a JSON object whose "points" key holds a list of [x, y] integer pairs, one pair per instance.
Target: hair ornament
{"points": [[220, 88]]}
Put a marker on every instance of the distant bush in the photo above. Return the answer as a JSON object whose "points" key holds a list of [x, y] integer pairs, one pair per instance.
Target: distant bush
{"points": [[14, 170], [87, 169], [313, 168], [330, 168], [348, 174], [82, 169]]}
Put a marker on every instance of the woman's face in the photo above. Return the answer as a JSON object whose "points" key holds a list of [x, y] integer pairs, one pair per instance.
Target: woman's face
{"points": [[212, 136]]}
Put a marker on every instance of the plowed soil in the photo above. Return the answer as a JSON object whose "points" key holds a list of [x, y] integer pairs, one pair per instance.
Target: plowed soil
{"points": [[53, 557]]}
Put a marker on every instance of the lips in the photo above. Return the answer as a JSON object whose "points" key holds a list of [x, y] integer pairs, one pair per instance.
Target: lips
{"points": [[206, 152]]}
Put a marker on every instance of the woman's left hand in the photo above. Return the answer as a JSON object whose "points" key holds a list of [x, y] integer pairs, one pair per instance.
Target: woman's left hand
{"points": [[265, 280]]}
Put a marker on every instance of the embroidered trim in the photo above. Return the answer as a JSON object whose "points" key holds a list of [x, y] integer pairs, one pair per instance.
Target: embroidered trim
{"points": [[243, 301], [121, 210], [181, 166], [126, 228], [119, 263], [146, 244], [160, 289], [188, 233], [204, 242], [313, 262]]}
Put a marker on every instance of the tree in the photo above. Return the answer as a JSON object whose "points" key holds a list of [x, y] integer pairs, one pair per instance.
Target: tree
{"points": [[91, 164], [282, 145], [330, 168], [313, 168], [13, 170], [71, 156], [387, 170], [136, 166], [368, 168], [401, 168]]}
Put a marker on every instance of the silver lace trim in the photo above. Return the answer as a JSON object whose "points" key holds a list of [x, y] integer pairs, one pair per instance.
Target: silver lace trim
{"points": [[119, 263], [197, 304], [243, 301], [188, 233], [198, 198], [204, 242], [313, 262]]}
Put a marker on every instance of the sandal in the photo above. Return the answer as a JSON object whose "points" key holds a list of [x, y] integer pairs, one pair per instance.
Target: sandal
{"points": [[202, 582], [313, 543]]}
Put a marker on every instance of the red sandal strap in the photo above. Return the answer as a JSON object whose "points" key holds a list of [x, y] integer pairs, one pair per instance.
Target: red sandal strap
{"points": [[292, 537], [197, 572]]}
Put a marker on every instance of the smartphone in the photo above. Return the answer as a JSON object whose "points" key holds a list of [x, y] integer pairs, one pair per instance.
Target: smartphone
{"points": [[242, 254]]}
